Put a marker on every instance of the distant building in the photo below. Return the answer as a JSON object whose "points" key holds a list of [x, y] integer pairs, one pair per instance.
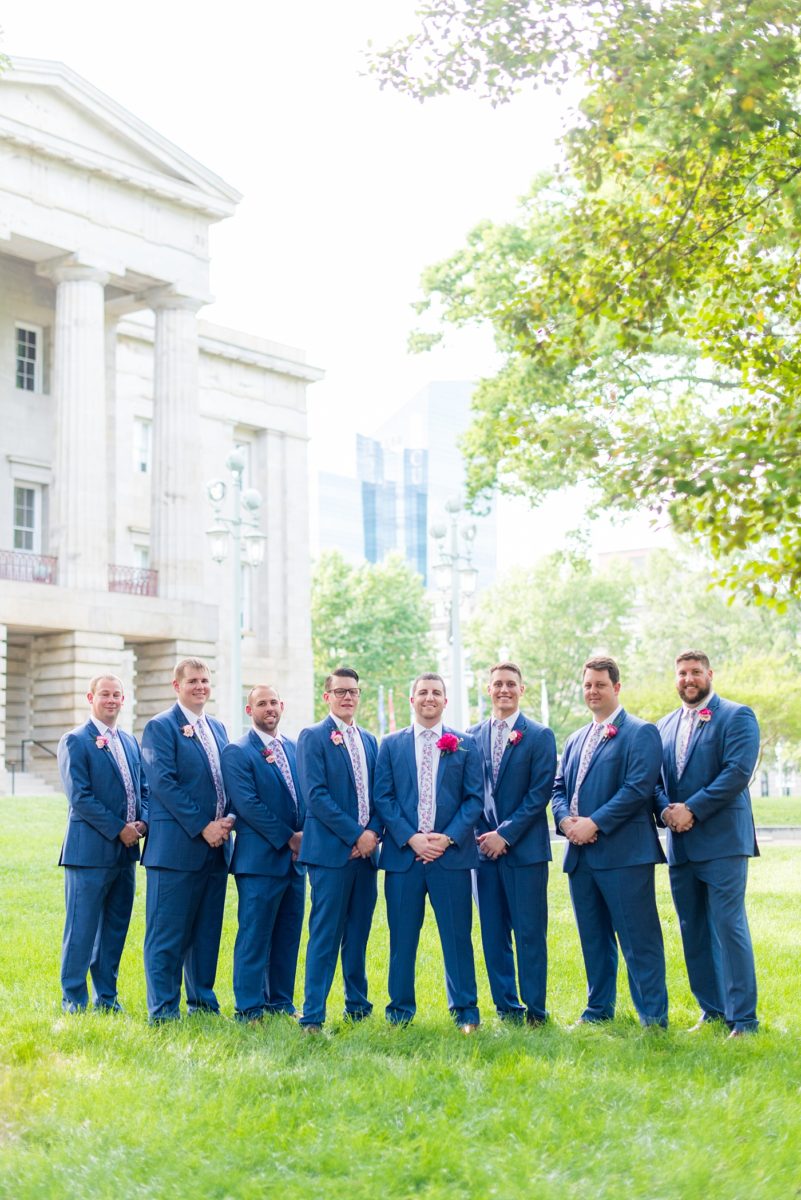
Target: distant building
{"points": [[117, 406], [406, 471]]}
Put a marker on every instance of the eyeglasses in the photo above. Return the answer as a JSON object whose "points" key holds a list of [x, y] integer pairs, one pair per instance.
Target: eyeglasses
{"points": [[341, 693]]}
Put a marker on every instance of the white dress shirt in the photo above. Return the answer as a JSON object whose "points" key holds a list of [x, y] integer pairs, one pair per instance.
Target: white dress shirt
{"points": [[435, 755], [342, 726], [192, 719]]}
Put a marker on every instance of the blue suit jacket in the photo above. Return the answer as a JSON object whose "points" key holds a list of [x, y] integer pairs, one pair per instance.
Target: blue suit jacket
{"points": [[459, 799], [182, 795], [522, 791], [714, 784], [97, 801], [265, 811], [617, 792], [332, 810]]}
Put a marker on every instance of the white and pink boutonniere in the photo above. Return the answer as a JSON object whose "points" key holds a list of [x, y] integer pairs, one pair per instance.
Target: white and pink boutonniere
{"points": [[514, 737], [268, 755], [704, 714], [336, 737], [188, 730], [101, 742], [610, 731]]}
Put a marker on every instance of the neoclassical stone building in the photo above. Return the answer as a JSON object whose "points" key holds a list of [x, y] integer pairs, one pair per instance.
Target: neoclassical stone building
{"points": [[118, 405]]}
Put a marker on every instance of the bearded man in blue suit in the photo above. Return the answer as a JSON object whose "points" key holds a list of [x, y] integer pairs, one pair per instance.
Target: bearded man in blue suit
{"points": [[101, 773], [514, 848], [264, 790], [336, 766], [429, 794], [603, 804], [710, 748], [187, 851]]}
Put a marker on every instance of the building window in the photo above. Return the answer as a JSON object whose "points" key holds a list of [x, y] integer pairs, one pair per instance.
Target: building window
{"points": [[29, 358], [142, 443], [142, 557], [28, 517]]}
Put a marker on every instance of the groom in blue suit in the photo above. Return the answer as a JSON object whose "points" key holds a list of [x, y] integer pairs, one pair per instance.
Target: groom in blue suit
{"points": [[602, 803], [101, 773], [336, 766], [187, 849], [263, 787], [709, 751], [429, 794], [514, 848]]}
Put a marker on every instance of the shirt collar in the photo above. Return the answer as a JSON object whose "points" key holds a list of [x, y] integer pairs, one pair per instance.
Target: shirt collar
{"points": [[418, 729], [341, 725], [101, 727], [267, 738], [510, 721], [705, 703], [612, 719], [191, 717]]}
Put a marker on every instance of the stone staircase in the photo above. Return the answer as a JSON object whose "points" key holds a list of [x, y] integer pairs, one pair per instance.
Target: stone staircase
{"points": [[26, 784]]}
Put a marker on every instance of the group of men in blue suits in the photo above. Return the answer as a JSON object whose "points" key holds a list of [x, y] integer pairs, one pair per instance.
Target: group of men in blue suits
{"points": [[449, 815]]}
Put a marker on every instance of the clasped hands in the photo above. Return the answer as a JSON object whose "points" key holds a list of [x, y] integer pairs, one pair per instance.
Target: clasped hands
{"points": [[366, 844], [581, 831], [428, 846], [132, 832], [492, 845], [219, 831], [678, 818]]}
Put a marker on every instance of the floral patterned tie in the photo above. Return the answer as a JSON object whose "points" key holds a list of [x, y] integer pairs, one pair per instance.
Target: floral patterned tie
{"points": [[358, 775], [280, 757], [498, 747], [684, 739], [121, 761], [593, 737], [204, 735], [425, 808]]}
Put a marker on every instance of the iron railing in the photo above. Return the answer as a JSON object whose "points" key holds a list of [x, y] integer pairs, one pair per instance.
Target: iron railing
{"points": [[135, 581], [24, 567]]}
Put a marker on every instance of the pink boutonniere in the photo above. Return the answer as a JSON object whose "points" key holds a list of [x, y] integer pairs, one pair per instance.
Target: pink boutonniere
{"points": [[268, 755], [610, 731], [188, 730], [448, 743], [101, 742], [336, 737], [514, 737], [704, 714]]}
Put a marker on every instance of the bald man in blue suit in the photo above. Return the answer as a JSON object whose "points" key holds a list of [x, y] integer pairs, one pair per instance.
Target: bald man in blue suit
{"points": [[709, 752], [188, 848], [101, 773], [603, 804]]}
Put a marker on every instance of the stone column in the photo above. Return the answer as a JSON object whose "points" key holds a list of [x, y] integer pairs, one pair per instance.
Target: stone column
{"points": [[79, 523], [153, 669], [179, 507]]}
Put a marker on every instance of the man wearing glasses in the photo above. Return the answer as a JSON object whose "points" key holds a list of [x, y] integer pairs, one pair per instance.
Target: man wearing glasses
{"points": [[336, 762]]}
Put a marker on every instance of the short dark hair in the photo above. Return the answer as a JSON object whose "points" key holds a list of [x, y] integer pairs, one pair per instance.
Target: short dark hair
{"points": [[602, 663], [346, 672], [694, 656], [429, 675], [506, 666]]}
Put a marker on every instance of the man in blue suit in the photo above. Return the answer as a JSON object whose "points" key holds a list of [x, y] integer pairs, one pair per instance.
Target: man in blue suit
{"points": [[514, 848], [709, 751], [101, 773], [263, 787], [187, 849], [429, 795], [336, 765], [602, 803]]}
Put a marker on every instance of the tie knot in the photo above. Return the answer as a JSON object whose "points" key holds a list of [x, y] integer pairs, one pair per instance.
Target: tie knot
{"points": [[428, 734], [500, 724]]}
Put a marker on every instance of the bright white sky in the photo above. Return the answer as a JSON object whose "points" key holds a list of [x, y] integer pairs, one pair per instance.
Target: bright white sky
{"points": [[349, 192]]}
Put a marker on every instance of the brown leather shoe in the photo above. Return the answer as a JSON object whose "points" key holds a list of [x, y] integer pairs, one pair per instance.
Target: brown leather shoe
{"points": [[469, 1027]]}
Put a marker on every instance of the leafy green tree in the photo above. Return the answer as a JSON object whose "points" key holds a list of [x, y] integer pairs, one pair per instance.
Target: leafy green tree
{"points": [[549, 619], [648, 299], [374, 618]]}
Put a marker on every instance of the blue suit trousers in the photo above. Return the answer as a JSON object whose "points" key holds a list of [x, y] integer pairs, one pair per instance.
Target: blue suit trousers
{"points": [[710, 902], [267, 943], [514, 900], [620, 901], [343, 900], [184, 914], [450, 893], [99, 901]]}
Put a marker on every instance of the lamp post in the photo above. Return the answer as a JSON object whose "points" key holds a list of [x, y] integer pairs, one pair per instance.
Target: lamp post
{"points": [[239, 530], [455, 577]]}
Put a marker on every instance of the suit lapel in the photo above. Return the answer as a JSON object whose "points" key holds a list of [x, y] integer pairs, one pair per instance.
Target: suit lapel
{"points": [[602, 744], [699, 731], [93, 733], [411, 764], [180, 717], [345, 752], [508, 751]]}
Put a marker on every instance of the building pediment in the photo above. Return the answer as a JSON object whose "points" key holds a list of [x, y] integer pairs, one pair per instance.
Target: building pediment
{"points": [[49, 110]]}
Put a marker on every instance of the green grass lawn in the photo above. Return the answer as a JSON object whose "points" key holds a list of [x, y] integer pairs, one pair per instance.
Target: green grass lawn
{"points": [[109, 1107], [777, 810]]}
